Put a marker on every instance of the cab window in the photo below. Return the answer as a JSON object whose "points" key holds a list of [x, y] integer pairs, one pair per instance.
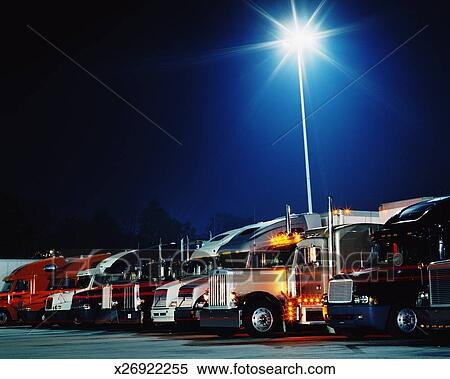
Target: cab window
{"points": [[272, 258], [83, 281], [233, 260], [6, 287], [22, 286]]}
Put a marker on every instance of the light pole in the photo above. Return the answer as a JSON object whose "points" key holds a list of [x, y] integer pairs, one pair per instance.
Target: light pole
{"points": [[298, 41], [305, 134], [298, 37]]}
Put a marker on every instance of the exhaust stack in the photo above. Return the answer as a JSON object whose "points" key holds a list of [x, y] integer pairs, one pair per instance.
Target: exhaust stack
{"points": [[330, 237], [288, 219]]}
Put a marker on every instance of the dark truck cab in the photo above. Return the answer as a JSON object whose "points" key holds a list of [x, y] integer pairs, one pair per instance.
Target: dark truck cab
{"points": [[382, 297]]}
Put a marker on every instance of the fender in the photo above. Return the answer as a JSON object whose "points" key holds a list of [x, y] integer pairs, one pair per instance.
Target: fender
{"points": [[257, 296], [11, 312]]}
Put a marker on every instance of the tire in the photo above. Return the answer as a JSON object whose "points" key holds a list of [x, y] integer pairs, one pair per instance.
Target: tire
{"points": [[402, 322], [4, 317], [261, 319], [77, 322]]}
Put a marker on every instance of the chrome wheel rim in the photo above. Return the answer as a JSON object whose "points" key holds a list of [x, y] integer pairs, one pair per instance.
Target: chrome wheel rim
{"points": [[262, 319], [406, 320]]}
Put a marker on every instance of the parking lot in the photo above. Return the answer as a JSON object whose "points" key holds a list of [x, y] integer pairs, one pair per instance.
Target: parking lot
{"points": [[24, 342]]}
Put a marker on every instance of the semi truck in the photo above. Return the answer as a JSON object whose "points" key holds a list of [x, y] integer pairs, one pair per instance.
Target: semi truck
{"points": [[266, 290], [382, 298], [26, 289]]}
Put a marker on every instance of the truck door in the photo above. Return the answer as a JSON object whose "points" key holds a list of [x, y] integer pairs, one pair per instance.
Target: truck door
{"points": [[20, 298]]}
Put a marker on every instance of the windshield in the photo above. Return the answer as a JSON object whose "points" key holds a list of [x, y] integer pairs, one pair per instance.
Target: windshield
{"points": [[273, 258], [233, 260], [83, 281], [310, 255], [410, 250], [198, 266], [6, 287], [219, 237], [110, 279]]}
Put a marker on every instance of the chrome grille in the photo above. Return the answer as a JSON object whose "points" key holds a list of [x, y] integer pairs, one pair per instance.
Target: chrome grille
{"points": [[219, 289], [130, 295], [107, 297], [340, 291], [439, 286]]}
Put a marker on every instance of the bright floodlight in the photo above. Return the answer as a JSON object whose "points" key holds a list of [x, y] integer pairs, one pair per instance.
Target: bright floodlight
{"points": [[297, 39], [303, 39]]}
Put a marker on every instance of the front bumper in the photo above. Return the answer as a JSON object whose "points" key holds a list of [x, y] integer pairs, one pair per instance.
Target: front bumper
{"points": [[58, 317], [360, 316], [29, 317], [311, 315], [183, 315], [221, 318], [435, 318], [163, 315], [121, 317]]}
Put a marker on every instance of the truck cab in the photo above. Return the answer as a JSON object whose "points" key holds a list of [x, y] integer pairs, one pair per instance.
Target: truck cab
{"points": [[382, 297], [58, 306], [25, 290]]}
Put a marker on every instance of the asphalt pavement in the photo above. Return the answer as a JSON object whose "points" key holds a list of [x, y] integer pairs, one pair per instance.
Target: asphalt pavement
{"points": [[24, 342]]}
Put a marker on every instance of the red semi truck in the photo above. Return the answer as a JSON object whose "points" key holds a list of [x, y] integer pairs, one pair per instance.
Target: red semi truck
{"points": [[25, 290]]}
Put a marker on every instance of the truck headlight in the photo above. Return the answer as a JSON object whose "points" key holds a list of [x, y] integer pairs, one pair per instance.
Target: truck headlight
{"points": [[173, 304], [423, 299], [365, 299], [234, 299]]}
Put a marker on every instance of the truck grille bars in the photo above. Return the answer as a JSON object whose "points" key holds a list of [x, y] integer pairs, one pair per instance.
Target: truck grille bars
{"points": [[130, 296], [439, 286], [219, 289], [340, 291]]}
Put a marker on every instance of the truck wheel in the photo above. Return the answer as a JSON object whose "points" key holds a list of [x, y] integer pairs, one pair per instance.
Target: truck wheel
{"points": [[261, 320], [402, 322], [76, 321], [4, 317]]}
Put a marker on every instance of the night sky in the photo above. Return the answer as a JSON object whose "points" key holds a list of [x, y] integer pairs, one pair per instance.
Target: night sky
{"points": [[70, 143]]}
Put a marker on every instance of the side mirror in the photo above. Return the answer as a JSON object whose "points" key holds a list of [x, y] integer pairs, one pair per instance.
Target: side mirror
{"points": [[50, 267]]}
